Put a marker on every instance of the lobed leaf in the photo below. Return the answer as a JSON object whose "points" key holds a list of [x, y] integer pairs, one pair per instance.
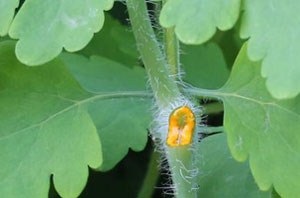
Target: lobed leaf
{"points": [[43, 130], [49, 126], [121, 122], [273, 28], [44, 28], [196, 21], [262, 128]]}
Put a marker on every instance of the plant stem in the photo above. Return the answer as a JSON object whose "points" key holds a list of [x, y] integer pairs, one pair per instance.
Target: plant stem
{"points": [[217, 129], [180, 159], [183, 172], [172, 49], [164, 88], [165, 91], [151, 177], [207, 93]]}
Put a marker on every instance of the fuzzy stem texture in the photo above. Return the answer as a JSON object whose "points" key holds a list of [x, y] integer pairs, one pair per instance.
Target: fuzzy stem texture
{"points": [[164, 87], [165, 91], [183, 171]]}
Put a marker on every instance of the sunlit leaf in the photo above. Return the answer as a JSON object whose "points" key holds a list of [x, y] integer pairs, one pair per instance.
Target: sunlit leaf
{"points": [[7, 11], [196, 21], [273, 28], [45, 27]]}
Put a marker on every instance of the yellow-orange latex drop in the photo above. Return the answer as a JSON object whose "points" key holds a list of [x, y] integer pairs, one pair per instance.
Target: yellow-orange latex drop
{"points": [[181, 127]]}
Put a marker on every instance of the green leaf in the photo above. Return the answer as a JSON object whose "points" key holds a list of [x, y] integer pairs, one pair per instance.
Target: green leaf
{"points": [[273, 28], [220, 174], [196, 21], [49, 123], [124, 123], [7, 11], [262, 128], [45, 27], [122, 46], [123, 126], [99, 74], [204, 65], [44, 130]]}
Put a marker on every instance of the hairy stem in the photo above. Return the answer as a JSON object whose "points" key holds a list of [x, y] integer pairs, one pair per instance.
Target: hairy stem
{"points": [[164, 88], [165, 91], [183, 171]]}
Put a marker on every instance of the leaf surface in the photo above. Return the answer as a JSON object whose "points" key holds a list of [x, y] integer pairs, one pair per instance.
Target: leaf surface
{"points": [[204, 65], [122, 123], [119, 38], [222, 176], [44, 130], [49, 126], [262, 128], [44, 28], [196, 21], [273, 28], [7, 11]]}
